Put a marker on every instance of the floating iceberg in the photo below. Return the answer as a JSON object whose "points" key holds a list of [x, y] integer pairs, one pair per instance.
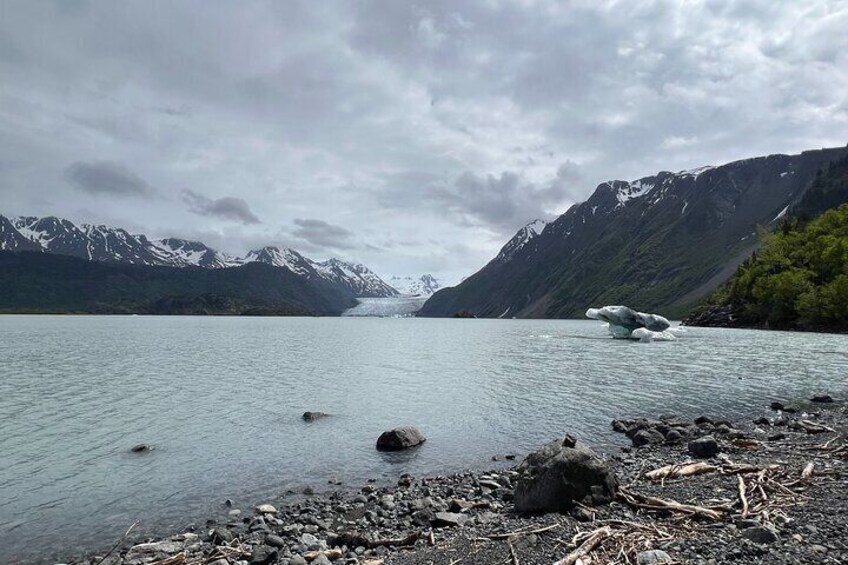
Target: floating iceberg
{"points": [[626, 323]]}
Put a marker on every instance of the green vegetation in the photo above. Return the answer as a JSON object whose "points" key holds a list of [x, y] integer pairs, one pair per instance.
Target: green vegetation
{"points": [[797, 280]]}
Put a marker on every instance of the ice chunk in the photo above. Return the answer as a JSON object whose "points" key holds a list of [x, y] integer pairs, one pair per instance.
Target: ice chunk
{"points": [[626, 323]]}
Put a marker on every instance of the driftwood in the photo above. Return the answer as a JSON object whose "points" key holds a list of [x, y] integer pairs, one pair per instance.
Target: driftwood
{"points": [[742, 497], [518, 533], [117, 543], [682, 470], [331, 554], [589, 543], [653, 503]]}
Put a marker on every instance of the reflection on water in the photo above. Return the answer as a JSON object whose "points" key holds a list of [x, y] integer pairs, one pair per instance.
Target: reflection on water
{"points": [[221, 399]]}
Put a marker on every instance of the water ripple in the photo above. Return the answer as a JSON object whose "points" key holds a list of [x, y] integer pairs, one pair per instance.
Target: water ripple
{"points": [[220, 399]]}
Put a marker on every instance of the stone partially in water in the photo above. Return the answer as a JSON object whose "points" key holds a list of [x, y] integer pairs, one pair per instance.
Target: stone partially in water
{"points": [[400, 438], [822, 398], [141, 448], [557, 476], [312, 416]]}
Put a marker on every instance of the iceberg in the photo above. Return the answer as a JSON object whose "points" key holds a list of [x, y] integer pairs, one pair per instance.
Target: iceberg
{"points": [[626, 323]]}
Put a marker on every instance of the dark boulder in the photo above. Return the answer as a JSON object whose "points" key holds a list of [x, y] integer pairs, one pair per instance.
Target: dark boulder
{"points": [[646, 436], [263, 555], [312, 416], [822, 398], [141, 448], [400, 438], [561, 474], [704, 447]]}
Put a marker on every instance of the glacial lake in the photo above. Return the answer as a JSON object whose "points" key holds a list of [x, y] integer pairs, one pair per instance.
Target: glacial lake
{"points": [[221, 399]]}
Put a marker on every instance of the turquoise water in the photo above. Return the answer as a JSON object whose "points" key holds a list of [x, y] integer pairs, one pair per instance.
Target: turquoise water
{"points": [[221, 398]]}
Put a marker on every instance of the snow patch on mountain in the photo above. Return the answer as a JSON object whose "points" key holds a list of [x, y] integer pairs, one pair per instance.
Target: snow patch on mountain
{"points": [[102, 243], [524, 236], [425, 285]]}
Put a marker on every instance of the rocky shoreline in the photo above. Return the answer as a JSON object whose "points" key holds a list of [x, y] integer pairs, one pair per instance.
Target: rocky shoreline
{"points": [[702, 492]]}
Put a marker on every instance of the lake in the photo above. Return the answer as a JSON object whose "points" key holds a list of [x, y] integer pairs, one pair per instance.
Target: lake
{"points": [[220, 398]]}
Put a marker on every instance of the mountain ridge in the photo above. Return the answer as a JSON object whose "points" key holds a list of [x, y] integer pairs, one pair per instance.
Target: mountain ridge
{"points": [[647, 243], [92, 242]]}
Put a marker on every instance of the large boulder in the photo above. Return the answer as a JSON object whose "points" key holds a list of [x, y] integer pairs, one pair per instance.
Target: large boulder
{"points": [[561, 474], [400, 438]]}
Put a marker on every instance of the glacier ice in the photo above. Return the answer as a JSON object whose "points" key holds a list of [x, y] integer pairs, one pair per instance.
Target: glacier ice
{"points": [[626, 323]]}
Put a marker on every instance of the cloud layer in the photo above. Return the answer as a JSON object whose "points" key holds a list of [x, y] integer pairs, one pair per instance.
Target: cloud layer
{"points": [[413, 137]]}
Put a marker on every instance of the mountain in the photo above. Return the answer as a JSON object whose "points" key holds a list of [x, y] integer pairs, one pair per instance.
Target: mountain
{"points": [[660, 243], [425, 285], [798, 278], [359, 279], [34, 282], [101, 243]]}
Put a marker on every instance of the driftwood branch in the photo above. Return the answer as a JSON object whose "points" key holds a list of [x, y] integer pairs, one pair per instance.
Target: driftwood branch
{"points": [[589, 543]]}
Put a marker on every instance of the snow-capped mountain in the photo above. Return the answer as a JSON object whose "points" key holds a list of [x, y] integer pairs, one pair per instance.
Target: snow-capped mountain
{"points": [[659, 243], [101, 243], [361, 280], [425, 285], [520, 239]]}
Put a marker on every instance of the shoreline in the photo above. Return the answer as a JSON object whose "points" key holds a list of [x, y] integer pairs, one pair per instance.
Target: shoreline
{"points": [[469, 518]]}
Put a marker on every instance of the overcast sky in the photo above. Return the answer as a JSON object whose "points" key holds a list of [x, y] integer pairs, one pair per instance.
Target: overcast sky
{"points": [[411, 136]]}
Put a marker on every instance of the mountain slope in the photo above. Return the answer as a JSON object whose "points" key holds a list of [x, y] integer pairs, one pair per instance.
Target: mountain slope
{"points": [[798, 279], [657, 244], [45, 282], [101, 243]]}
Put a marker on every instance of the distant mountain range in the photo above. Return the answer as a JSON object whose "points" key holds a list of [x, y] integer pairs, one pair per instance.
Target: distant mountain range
{"points": [[425, 285], [659, 244], [116, 245]]}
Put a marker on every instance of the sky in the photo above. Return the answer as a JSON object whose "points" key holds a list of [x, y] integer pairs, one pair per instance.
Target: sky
{"points": [[414, 137]]}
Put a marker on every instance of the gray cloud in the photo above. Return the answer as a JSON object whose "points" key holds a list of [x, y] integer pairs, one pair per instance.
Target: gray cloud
{"points": [[106, 178], [320, 234], [437, 121], [227, 207]]}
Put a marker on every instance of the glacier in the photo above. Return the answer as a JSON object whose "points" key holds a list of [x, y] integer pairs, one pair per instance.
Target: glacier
{"points": [[387, 307], [626, 323]]}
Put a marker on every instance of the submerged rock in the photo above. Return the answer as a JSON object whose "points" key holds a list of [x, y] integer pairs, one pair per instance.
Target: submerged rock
{"points": [[400, 438], [312, 416], [561, 474], [822, 398], [141, 448]]}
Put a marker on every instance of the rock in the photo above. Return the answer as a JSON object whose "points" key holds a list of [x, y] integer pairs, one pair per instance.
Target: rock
{"points": [[141, 448], [312, 416], [146, 550], [275, 541], [646, 437], [263, 555], [776, 406], [308, 491], [653, 556], [400, 438], [297, 559], [822, 398], [777, 437], [763, 421], [704, 447], [673, 436], [703, 420], [221, 535], [266, 509], [760, 534], [581, 514], [451, 519], [557, 476]]}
